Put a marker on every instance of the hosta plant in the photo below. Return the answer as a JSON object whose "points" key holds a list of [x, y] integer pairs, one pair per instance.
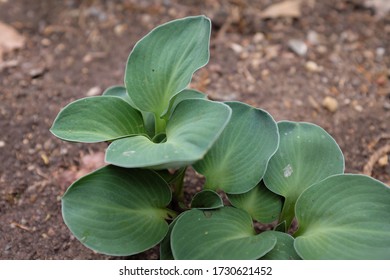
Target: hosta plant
{"points": [[287, 175]]}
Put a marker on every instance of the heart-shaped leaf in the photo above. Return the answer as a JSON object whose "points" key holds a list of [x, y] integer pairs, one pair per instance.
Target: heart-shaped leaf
{"points": [[165, 245], [206, 199], [238, 160], [284, 248], [193, 128], [183, 95], [120, 91], [97, 119], [163, 62], [344, 217], [307, 154], [118, 211], [224, 233], [263, 205]]}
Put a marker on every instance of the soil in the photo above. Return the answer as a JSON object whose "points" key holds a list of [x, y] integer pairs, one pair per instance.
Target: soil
{"points": [[79, 48]]}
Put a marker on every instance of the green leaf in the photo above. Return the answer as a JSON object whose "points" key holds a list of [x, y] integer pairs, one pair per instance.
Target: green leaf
{"points": [[163, 62], [118, 211], [284, 248], [344, 217], [183, 95], [238, 160], [97, 119], [120, 91], [224, 233], [282, 227], [263, 205], [165, 245], [307, 154], [206, 199], [193, 128]]}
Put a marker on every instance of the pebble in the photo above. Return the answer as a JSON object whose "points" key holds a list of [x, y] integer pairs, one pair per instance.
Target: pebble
{"points": [[313, 37], [2, 144], [37, 72], [298, 46], [358, 108], [311, 66], [258, 37], [45, 42], [321, 49], [236, 48], [380, 52], [330, 104], [94, 91], [120, 29]]}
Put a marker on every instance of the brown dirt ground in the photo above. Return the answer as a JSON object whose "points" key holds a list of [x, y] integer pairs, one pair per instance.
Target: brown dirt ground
{"points": [[73, 46]]}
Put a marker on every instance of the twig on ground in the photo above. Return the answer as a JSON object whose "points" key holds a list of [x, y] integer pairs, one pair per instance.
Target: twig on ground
{"points": [[368, 167]]}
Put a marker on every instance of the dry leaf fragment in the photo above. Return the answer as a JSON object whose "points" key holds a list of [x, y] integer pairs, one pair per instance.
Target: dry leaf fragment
{"points": [[10, 39], [289, 8]]}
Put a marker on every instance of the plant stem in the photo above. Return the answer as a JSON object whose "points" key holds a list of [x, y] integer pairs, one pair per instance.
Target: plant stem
{"points": [[288, 212], [171, 213], [160, 125], [178, 184]]}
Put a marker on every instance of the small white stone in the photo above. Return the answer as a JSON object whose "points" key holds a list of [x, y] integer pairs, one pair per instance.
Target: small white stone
{"points": [[298, 46], [358, 107], [312, 66], [380, 52], [2, 144], [313, 38], [120, 29], [236, 48], [258, 37], [94, 91]]}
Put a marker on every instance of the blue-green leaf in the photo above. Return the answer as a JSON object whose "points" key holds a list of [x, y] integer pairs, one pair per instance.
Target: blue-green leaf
{"points": [[284, 248], [238, 160], [121, 92], [163, 62], [191, 131], [206, 199], [183, 95], [118, 91], [118, 211], [307, 154], [344, 217], [97, 119], [263, 205], [224, 233]]}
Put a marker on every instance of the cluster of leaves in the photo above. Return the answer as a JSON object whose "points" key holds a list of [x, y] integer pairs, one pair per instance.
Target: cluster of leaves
{"points": [[284, 173]]}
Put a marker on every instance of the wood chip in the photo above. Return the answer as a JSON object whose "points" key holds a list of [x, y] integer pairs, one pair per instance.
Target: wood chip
{"points": [[14, 224]]}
